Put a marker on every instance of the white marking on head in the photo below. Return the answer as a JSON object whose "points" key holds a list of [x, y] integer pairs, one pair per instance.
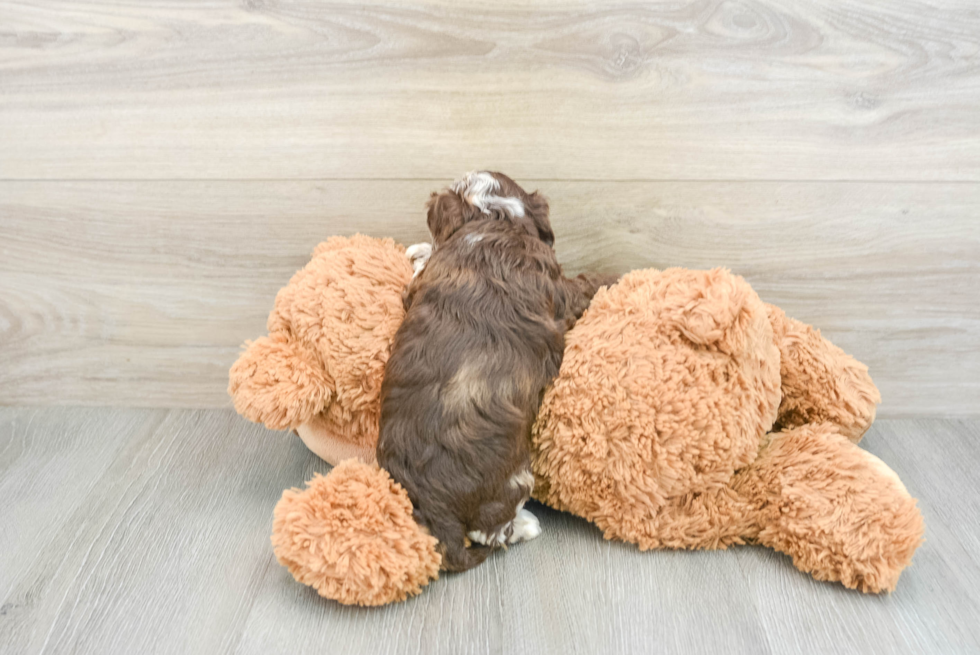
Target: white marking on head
{"points": [[477, 189]]}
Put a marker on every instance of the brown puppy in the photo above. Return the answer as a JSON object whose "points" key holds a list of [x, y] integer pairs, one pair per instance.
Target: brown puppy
{"points": [[482, 337]]}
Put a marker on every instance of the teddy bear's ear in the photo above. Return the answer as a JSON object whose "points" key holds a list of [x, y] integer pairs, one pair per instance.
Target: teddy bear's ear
{"points": [[279, 383], [710, 308]]}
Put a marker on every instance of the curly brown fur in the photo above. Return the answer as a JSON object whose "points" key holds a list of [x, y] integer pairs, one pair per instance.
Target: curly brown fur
{"points": [[483, 335]]}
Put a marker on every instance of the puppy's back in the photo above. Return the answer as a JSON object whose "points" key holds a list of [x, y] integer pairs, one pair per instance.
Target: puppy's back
{"points": [[464, 380]]}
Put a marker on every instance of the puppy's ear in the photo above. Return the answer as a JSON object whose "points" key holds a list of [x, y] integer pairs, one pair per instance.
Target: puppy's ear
{"points": [[445, 215], [536, 208]]}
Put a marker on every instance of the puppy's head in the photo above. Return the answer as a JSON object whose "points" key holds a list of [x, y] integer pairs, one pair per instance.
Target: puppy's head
{"points": [[484, 195]]}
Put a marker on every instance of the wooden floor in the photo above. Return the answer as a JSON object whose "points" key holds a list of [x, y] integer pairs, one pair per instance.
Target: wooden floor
{"points": [[147, 531]]}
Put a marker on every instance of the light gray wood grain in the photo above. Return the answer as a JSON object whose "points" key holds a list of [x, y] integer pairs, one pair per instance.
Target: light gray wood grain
{"points": [[47, 469], [147, 531], [570, 591], [140, 293], [771, 89], [937, 461], [158, 548]]}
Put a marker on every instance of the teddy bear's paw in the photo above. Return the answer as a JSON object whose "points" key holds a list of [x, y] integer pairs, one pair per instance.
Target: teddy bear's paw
{"points": [[351, 535], [419, 255]]}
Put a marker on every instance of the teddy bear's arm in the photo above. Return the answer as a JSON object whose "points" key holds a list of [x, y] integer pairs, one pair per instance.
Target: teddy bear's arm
{"points": [[820, 382], [351, 535]]}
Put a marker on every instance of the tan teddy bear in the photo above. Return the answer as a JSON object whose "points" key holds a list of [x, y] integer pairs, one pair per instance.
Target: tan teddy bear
{"points": [[687, 414]]}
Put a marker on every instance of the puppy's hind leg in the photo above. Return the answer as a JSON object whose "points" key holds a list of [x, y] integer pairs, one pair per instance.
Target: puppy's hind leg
{"points": [[456, 557], [504, 520], [525, 525]]}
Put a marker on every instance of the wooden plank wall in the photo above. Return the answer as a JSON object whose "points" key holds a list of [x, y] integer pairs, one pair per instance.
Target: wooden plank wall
{"points": [[166, 165]]}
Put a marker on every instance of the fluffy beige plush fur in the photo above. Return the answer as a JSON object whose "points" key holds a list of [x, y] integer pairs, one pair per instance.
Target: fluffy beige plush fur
{"points": [[687, 414], [329, 333]]}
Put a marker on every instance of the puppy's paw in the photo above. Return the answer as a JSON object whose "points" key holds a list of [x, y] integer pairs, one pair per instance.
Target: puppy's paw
{"points": [[494, 539], [419, 255], [526, 527]]}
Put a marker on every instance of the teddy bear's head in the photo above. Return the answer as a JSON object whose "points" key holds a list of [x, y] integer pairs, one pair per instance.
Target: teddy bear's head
{"points": [[330, 333], [669, 382]]}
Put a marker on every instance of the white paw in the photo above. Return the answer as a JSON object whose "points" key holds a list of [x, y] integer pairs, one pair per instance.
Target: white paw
{"points": [[526, 527], [419, 255]]}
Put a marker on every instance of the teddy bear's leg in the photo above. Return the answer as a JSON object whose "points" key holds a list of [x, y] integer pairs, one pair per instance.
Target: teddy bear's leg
{"points": [[837, 510], [820, 382]]}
